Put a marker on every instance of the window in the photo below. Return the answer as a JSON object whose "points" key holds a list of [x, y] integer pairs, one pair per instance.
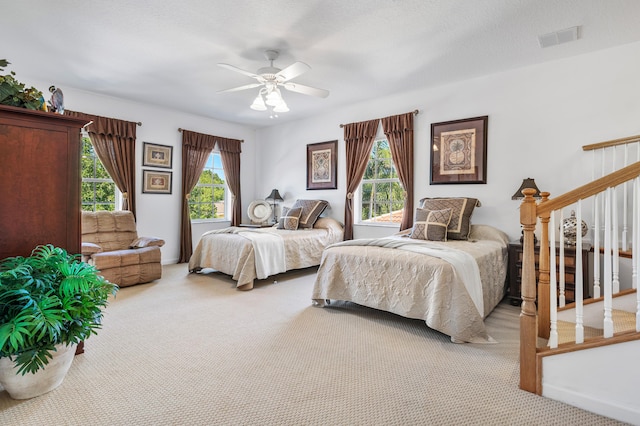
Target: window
{"points": [[208, 199], [381, 194], [99, 192]]}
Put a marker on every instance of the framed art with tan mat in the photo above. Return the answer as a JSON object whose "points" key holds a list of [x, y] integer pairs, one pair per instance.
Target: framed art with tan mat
{"points": [[459, 151], [156, 182], [157, 155]]}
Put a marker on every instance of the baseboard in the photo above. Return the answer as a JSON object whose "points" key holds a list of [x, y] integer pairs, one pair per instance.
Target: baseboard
{"points": [[605, 408]]}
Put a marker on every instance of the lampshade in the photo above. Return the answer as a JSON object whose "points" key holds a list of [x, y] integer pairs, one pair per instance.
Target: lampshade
{"points": [[281, 107], [526, 183], [273, 98], [275, 196], [258, 104]]}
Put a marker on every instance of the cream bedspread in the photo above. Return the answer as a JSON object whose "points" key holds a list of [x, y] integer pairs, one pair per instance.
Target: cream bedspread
{"points": [[418, 286], [227, 251]]}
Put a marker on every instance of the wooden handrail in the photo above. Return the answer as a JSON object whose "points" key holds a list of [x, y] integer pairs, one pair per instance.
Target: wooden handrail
{"points": [[614, 142], [585, 191]]}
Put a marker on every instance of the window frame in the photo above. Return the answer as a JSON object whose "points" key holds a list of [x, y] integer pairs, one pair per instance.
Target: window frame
{"points": [[359, 192], [117, 194], [225, 186]]}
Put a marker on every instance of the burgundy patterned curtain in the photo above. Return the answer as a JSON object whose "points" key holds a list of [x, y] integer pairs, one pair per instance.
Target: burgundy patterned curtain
{"points": [[196, 148], [399, 132], [115, 144], [358, 139], [230, 150]]}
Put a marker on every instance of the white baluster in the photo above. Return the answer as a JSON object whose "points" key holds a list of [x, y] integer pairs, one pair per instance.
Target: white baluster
{"points": [[615, 262], [561, 286], [635, 257], [602, 226], [594, 199], [596, 246], [635, 232], [577, 291], [608, 321], [553, 285], [625, 190]]}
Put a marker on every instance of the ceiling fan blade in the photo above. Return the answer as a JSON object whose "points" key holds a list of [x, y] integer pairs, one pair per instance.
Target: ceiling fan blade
{"points": [[241, 71], [306, 90], [292, 71], [245, 87]]}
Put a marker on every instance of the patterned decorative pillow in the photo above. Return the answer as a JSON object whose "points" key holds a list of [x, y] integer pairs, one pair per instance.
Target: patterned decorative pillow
{"points": [[290, 218], [461, 210], [311, 210], [431, 225]]}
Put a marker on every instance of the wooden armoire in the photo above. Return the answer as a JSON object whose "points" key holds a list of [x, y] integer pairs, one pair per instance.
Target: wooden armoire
{"points": [[39, 181]]}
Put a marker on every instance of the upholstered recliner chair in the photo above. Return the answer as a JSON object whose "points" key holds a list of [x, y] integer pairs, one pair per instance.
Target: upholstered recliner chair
{"points": [[110, 242]]}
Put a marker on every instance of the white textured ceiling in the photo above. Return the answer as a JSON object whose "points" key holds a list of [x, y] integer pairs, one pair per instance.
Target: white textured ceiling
{"points": [[165, 52]]}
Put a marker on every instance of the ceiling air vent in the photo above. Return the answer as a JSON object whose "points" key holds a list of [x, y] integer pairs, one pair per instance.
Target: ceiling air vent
{"points": [[559, 37]]}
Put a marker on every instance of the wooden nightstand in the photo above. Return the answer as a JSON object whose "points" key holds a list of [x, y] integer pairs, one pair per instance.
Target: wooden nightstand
{"points": [[515, 271]]}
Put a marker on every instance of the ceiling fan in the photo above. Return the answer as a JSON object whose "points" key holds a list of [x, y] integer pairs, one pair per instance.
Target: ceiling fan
{"points": [[270, 79]]}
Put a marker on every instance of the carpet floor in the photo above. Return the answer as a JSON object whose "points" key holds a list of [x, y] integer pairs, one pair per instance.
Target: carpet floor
{"points": [[190, 349]]}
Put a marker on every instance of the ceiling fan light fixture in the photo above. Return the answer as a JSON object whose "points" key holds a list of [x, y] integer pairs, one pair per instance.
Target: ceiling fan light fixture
{"points": [[274, 98], [270, 79], [281, 107], [258, 104]]}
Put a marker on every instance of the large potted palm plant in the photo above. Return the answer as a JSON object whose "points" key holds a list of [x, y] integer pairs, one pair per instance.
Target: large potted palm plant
{"points": [[49, 302]]}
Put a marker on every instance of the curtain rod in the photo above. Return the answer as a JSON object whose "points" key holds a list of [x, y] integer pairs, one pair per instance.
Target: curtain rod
{"points": [[139, 123], [180, 129], [415, 112]]}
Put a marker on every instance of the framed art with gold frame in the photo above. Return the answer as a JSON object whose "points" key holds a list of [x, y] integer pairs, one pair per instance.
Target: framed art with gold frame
{"points": [[459, 151], [156, 182], [157, 155]]}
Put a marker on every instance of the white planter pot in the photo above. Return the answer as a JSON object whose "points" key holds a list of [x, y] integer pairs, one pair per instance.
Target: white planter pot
{"points": [[44, 380]]}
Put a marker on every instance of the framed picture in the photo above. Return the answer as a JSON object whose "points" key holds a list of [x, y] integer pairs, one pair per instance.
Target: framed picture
{"points": [[459, 151], [157, 155], [322, 165], [156, 182]]}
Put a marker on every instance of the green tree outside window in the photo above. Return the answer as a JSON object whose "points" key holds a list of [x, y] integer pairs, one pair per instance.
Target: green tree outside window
{"points": [[208, 197], [98, 189], [381, 194]]}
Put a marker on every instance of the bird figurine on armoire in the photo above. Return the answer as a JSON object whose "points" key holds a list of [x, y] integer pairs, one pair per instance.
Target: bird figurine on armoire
{"points": [[57, 100]]}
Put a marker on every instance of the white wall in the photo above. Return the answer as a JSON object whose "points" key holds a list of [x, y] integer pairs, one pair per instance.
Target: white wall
{"points": [[159, 214], [539, 119], [609, 388]]}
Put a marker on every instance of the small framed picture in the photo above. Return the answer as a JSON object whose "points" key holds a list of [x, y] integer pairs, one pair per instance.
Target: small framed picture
{"points": [[157, 155], [156, 182], [459, 151], [322, 165]]}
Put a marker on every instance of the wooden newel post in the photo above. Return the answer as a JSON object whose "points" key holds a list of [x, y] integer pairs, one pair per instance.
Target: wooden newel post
{"points": [[528, 320], [544, 279]]}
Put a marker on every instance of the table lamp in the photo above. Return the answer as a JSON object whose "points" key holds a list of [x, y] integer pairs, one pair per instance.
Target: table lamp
{"points": [[275, 197]]}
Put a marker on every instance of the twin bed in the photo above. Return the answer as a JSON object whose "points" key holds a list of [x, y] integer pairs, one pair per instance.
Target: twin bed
{"points": [[395, 274], [452, 284], [443, 270], [295, 242], [247, 254]]}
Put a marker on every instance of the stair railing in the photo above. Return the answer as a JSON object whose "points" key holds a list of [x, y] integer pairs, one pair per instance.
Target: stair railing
{"points": [[537, 322], [607, 156]]}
